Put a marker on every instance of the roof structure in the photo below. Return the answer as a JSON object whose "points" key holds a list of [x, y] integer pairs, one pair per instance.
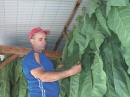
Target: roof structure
{"points": [[18, 17]]}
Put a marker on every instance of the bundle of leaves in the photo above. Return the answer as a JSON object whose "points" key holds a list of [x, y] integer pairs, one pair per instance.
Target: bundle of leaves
{"points": [[100, 41], [13, 82]]}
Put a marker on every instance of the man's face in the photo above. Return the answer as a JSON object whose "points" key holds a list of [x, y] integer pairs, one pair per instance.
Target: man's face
{"points": [[39, 41]]}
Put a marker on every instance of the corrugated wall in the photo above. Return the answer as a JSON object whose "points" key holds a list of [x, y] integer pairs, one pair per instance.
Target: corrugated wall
{"points": [[18, 17]]}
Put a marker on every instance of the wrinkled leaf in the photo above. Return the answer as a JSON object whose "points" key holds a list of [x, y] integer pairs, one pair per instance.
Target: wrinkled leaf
{"points": [[115, 3], [4, 82], [119, 22], [98, 36], [126, 54], [92, 6], [102, 20], [74, 88], [99, 77]]}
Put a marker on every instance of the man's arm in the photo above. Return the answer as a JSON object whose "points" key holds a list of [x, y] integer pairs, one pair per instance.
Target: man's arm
{"points": [[50, 76]]}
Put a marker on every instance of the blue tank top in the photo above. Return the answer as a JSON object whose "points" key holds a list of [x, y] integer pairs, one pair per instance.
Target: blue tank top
{"points": [[36, 87]]}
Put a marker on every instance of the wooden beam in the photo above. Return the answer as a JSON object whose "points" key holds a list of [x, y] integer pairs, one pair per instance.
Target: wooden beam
{"points": [[9, 50], [4, 63], [67, 25]]}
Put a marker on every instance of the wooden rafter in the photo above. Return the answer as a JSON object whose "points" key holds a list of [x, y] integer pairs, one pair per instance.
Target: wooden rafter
{"points": [[4, 63], [67, 25], [9, 50]]}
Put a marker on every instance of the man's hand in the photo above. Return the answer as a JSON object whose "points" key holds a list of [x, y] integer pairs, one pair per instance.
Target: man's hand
{"points": [[60, 65], [75, 69]]}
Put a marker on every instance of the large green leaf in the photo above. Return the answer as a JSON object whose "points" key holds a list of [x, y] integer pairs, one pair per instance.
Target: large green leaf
{"points": [[22, 86], [11, 65], [80, 40], [106, 52], [99, 78], [102, 20], [64, 87], [98, 36], [126, 54], [115, 3], [90, 30], [74, 85], [85, 87], [119, 22], [18, 70], [15, 90], [67, 51], [70, 61], [92, 6], [83, 32], [120, 77], [4, 82]]}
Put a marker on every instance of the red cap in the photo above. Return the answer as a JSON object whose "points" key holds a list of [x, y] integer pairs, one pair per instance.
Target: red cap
{"points": [[36, 30]]}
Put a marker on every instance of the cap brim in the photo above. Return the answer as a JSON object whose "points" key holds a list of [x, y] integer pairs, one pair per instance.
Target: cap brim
{"points": [[46, 31]]}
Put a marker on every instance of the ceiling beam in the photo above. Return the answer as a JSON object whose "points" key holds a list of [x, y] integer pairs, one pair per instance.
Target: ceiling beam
{"points": [[67, 25], [4, 63], [21, 52]]}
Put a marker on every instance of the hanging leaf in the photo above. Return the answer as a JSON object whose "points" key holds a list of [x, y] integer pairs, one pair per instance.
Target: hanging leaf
{"points": [[106, 52], [80, 40], [22, 86], [118, 21], [15, 90], [98, 37], [92, 6], [102, 20], [18, 70], [126, 54], [65, 50], [64, 87], [74, 85], [120, 76], [115, 3], [99, 78], [85, 87], [70, 61], [4, 82]]}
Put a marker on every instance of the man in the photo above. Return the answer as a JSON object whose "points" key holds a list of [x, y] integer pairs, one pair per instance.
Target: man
{"points": [[41, 77]]}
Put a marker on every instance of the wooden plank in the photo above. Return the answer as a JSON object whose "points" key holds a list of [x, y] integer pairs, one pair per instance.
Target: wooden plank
{"points": [[4, 63], [9, 50], [67, 25]]}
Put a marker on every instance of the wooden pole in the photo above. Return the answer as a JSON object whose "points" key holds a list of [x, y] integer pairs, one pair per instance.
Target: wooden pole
{"points": [[67, 25], [9, 50]]}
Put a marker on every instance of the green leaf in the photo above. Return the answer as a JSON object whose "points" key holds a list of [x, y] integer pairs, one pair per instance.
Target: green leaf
{"points": [[64, 87], [74, 85], [71, 47], [22, 86], [119, 74], [106, 52], [119, 22], [11, 65], [102, 20], [115, 3], [18, 70], [92, 6], [80, 40], [65, 50], [99, 77], [85, 87], [15, 90], [126, 54], [70, 61], [98, 36], [4, 82]]}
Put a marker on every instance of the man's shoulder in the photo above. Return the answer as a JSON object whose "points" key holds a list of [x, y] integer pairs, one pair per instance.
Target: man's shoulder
{"points": [[29, 55]]}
